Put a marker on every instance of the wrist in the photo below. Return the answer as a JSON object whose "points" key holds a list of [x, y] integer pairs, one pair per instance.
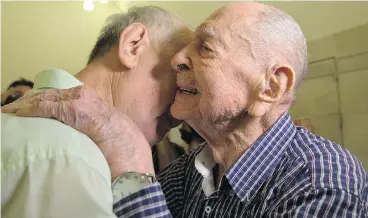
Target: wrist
{"points": [[138, 160], [115, 173], [129, 183]]}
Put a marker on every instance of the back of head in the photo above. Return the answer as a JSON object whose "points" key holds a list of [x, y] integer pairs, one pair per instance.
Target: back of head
{"points": [[160, 23], [15, 91], [21, 82]]}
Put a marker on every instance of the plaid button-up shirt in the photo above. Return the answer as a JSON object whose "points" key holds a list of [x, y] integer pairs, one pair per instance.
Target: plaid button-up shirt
{"points": [[288, 172]]}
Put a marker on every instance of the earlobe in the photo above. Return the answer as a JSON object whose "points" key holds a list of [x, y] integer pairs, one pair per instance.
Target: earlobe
{"points": [[133, 39]]}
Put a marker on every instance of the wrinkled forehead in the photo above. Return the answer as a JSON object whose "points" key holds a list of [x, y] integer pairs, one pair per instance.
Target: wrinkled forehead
{"points": [[230, 17], [228, 24], [184, 36], [180, 38], [215, 29], [212, 24]]}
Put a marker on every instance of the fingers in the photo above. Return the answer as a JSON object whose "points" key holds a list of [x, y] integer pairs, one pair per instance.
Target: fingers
{"points": [[25, 101], [57, 95], [9, 108], [52, 95], [46, 109], [12, 107]]}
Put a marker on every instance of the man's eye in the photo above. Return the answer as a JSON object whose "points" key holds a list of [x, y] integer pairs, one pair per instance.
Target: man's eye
{"points": [[205, 48]]}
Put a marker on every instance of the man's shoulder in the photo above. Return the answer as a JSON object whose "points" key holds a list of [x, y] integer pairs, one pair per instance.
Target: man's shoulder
{"points": [[46, 132], [25, 140], [328, 164]]}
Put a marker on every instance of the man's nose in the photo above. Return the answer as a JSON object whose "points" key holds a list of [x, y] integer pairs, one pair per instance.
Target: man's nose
{"points": [[181, 62]]}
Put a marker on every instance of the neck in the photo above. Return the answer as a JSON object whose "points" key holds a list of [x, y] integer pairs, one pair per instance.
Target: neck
{"points": [[98, 76], [229, 144]]}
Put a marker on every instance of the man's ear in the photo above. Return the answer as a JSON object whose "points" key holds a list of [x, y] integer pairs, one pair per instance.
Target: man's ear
{"points": [[132, 42], [272, 86], [278, 82]]}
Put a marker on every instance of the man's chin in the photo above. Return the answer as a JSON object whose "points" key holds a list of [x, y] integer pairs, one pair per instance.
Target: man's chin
{"points": [[176, 113], [184, 114]]}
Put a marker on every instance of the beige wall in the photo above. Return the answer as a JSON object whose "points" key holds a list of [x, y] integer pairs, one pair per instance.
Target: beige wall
{"points": [[334, 95], [317, 18], [192, 12], [40, 35]]}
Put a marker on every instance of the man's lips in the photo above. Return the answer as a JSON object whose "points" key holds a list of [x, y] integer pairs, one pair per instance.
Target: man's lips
{"points": [[188, 90]]}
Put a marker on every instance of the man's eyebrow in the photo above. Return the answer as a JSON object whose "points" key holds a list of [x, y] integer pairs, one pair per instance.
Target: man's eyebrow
{"points": [[210, 33], [206, 32]]}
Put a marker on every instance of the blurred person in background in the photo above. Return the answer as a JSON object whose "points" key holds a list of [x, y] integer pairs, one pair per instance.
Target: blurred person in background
{"points": [[16, 90], [168, 151], [190, 136]]}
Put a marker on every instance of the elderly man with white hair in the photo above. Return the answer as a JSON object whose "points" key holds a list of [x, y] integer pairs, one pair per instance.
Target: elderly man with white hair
{"points": [[235, 83], [49, 169]]}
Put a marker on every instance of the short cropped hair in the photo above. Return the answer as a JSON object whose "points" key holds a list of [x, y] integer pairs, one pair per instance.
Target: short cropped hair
{"points": [[157, 20], [21, 82], [282, 35]]}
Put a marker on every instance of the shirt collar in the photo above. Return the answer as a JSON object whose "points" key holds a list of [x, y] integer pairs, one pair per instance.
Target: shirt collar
{"points": [[55, 79], [255, 166], [204, 163]]}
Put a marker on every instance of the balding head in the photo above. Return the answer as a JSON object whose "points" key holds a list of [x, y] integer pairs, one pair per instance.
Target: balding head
{"points": [[275, 36], [284, 39]]}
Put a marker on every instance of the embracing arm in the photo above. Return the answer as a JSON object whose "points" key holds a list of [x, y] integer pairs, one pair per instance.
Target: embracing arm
{"points": [[151, 201], [148, 202], [123, 145]]}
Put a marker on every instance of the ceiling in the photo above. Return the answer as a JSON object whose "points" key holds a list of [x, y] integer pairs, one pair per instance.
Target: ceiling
{"points": [[317, 19]]}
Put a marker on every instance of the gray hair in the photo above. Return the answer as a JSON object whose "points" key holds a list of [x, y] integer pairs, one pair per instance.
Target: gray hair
{"points": [[284, 38], [159, 21]]}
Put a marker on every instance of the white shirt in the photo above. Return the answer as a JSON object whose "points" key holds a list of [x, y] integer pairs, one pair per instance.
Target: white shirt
{"points": [[50, 170]]}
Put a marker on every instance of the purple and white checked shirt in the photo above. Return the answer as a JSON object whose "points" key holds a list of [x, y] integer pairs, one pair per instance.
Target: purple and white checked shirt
{"points": [[288, 172]]}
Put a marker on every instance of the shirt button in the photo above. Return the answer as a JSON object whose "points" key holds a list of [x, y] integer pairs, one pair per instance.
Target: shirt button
{"points": [[207, 209], [231, 193]]}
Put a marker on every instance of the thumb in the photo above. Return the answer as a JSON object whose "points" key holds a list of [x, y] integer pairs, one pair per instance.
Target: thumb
{"points": [[10, 108]]}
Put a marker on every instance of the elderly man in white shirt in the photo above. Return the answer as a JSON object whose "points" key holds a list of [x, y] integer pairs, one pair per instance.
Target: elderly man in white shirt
{"points": [[52, 170]]}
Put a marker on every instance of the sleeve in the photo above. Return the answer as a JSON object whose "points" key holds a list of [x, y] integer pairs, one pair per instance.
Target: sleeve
{"points": [[151, 201], [172, 179], [148, 202], [60, 187], [322, 203]]}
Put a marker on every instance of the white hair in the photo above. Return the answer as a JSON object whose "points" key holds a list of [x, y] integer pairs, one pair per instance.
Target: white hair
{"points": [[159, 22], [283, 37]]}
